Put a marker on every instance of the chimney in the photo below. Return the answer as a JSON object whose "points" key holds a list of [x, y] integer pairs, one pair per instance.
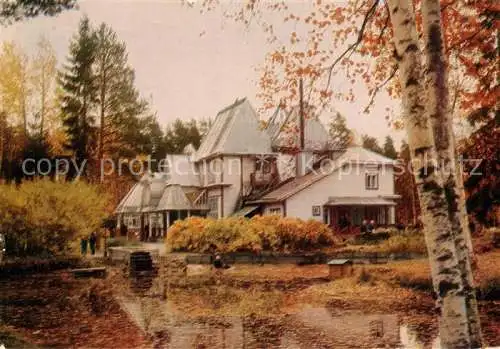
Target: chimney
{"points": [[303, 157]]}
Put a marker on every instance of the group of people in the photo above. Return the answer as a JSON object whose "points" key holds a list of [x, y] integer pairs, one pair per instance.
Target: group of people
{"points": [[367, 227], [88, 241]]}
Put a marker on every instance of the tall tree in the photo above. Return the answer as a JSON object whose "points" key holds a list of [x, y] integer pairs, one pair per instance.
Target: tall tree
{"points": [[340, 135], [179, 134], [14, 85], [389, 149], [16, 10], [371, 143], [408, 208], [437, 111], [444, 257], [79, 93], [43, 76], [119, 102]]}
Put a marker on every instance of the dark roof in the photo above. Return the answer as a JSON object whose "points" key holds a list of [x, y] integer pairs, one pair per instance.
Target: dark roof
{"points": [[291, 187]]}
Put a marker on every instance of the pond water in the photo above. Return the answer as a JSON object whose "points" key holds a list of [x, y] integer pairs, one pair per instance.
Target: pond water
{"points": [[227, 324]]}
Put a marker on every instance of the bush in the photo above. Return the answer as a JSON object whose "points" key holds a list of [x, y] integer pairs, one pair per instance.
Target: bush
{"points": [[44, 217], [234, 234], [413, 242]]}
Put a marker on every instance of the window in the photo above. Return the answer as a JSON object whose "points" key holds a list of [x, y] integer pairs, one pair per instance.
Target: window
{"points": [[275, 211], [316, 210], [371, 181], [131, 221], [263, 165], [213, 206]]}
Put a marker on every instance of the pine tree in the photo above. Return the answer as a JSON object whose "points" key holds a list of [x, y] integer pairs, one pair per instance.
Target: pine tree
{"points": [[119, 103], [371, 143], [16, 10], [389, 149], [340, 135], [78, 84]]}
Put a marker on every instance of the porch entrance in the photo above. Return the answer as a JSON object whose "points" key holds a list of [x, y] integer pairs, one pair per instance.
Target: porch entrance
{"points": [[346, 216]]}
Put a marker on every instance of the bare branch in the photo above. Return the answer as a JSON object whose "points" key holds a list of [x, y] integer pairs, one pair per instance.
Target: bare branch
{"points": [[379, 86], [355, 44]]}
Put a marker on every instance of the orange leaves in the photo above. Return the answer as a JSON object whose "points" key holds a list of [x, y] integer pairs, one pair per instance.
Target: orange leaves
{"points": [[337, 15], [271, 233], [277, 57]]}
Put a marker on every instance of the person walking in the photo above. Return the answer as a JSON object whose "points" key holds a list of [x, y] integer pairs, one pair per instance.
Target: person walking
{"points": [[92, 241], [83, 245]]}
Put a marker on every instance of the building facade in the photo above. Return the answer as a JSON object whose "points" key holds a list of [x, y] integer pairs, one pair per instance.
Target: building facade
{"points": [[242, 168]]}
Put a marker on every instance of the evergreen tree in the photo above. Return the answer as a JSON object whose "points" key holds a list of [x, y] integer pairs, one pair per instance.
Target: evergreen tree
{"points": [[181, 133], [16, 10], [371, 143], [78, 97], [389, 149], [119, 103], [341, 136]]}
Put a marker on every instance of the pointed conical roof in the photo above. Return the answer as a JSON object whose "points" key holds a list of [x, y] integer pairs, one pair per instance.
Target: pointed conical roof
{"points": [[236, 130], [284, 131]]}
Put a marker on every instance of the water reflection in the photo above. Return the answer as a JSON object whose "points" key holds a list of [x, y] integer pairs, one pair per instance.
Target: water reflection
{"points": [[154, 308]]}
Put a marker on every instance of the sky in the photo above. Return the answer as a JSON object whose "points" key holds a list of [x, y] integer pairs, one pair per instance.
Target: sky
{"points": [[187, 64]]}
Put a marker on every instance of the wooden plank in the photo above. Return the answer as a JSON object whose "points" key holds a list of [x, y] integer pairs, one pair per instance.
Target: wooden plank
{"points": [[99, 272]]}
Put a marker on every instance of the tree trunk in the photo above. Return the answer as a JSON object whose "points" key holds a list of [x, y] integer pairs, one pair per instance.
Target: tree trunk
{"points": [[43, 101], [102, 114], [447, 281], [436, 110]]}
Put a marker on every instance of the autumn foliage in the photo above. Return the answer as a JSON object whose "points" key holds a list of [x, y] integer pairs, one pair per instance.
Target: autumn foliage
{"points": [[260, 233], [323, 41], [43, 216]]}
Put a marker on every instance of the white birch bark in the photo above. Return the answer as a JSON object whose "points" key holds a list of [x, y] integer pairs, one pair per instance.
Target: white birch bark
{"points": [[436, 110], [454, 329]]}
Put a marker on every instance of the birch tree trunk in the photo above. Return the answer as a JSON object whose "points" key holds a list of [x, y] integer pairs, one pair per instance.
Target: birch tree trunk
{"points": [[447, 280], [436, 110]]}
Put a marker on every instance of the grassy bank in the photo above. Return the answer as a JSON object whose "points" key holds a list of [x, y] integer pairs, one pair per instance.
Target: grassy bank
{"points": [[415, 274]]}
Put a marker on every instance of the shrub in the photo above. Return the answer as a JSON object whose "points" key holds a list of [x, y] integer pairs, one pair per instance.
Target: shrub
{"points": [[414, 242], [234, 234], [44, 217]]}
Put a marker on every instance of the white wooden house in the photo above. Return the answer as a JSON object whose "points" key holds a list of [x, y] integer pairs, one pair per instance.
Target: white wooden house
{"points": [[244, 169], [357, 185]]}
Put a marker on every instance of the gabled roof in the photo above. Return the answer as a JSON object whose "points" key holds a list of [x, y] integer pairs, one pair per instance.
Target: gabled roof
{"points": [[131, 201], [291, 187], [352, 155], [236, 130], [284, 131], [174, 198], [144, 194], [358, 154], [165, 190]]}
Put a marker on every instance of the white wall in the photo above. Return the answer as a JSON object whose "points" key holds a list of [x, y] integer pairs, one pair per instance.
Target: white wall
{"points": [[268, 208], [234, 168], [345, 182]]}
